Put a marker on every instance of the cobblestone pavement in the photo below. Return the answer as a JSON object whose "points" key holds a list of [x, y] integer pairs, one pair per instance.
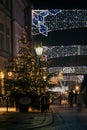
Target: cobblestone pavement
{"points": [[71, 118], [22, 121], [65, 118], [61, 118]]}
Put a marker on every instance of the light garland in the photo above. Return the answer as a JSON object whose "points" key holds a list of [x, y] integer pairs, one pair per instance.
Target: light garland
{"points": [[64, 51], [44, 21], [69, 70]]}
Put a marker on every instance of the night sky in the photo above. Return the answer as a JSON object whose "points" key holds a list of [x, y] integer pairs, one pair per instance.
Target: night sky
{"points": [[50, 4], [64, 37]]}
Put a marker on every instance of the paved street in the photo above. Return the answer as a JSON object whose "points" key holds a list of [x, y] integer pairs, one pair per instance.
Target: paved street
{"points": [[66, 118], [71, 119], [24, 121], [60, 118]]}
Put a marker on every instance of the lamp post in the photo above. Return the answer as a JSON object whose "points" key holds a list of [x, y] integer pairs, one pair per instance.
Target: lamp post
{"points": [[2, 82], [77, 87], [9, 76], [39, 51]]}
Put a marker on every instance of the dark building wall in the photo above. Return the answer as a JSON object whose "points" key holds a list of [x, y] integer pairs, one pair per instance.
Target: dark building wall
{"points": [[12, 21], [5, 32], [28, 18], [18, 22]]}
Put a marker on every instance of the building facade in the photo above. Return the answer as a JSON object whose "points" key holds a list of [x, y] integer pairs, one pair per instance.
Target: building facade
{"points": [[5, 32], [12, 22]]}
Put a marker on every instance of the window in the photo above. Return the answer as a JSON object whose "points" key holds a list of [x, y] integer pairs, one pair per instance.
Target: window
{"points": [[1, 1], [7, 3], [7, 40], [1, 36]]}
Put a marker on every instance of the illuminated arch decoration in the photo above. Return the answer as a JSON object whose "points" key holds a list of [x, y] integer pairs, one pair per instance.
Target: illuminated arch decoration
{"points": [[70, 73], [65, 51], [79, 70], [44, 21]]}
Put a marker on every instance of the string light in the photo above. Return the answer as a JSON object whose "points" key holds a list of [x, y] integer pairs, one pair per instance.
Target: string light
{"points": [[63, 51], [44, 21]]}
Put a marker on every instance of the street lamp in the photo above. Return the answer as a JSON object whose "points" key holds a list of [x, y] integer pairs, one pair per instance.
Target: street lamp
{"points": [[9, 76], [77, 87], [2, 87], [2, 82], [39, 51]]}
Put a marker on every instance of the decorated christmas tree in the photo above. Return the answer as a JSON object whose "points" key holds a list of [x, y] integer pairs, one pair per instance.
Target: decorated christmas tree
{"points": [[26, 73]]}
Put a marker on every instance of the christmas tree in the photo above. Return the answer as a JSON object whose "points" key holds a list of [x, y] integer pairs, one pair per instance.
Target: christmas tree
{"points": [[27, 73]]}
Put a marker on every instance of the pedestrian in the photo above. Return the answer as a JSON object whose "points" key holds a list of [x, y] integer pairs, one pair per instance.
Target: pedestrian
{"points": [[60, 99], [79, 102], [83, 89], [70, 98]]}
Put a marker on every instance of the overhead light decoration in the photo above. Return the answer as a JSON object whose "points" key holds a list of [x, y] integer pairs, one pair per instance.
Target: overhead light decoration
{"points": [[44, 21], [65, 50], [54, 11], [43, 29], [69, 70], [38, 19]]}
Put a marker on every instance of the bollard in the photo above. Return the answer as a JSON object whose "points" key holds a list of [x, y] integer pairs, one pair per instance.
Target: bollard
{"points": [[7, 103], [79, 107], [79, 102]]}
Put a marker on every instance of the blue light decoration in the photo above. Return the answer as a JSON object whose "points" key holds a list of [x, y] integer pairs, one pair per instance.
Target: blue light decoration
{"points": [[43, 30], [54, 11], [35, 22], [38, 19], [42, 15]]}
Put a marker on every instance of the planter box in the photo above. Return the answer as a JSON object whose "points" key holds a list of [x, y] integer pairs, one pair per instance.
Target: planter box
{"points": [[23, 104]]}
